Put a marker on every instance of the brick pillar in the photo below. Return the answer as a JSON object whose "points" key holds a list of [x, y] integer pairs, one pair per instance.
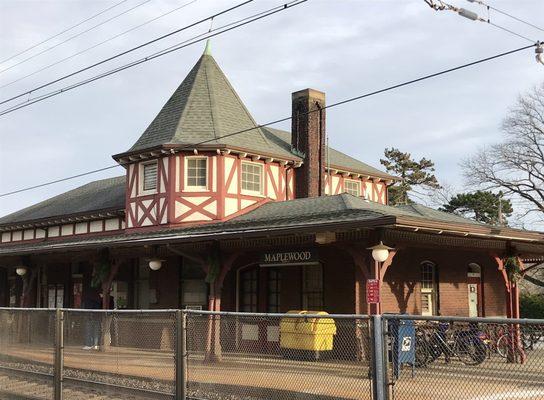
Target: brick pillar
{"points": [[308, 141]]}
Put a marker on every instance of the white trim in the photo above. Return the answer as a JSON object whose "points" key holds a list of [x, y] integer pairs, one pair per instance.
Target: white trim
{"points": [[252, 192], [188, 188], [141, 166], [357, 182]]}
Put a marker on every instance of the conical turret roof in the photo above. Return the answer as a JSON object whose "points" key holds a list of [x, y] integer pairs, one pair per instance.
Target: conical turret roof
{"points": [[205, 107]]}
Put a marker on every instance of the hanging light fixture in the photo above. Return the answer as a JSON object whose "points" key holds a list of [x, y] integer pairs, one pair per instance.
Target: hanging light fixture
{"points": [[21, 271], [380, 252], [155, 264]]}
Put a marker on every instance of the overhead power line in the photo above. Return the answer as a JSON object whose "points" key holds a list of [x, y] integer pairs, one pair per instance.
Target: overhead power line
{"points": [[105, 60], [507, 14], [277, 121], [439, 5], [99, 44], [73, 37], [63, 31], [186, 43]]}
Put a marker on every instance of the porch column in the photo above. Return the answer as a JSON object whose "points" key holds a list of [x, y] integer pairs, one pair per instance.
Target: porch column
{"points": [[216, 273], [362, 272], [515, 350]]}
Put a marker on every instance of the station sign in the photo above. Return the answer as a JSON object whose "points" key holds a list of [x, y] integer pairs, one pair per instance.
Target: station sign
{"points": [[372, 291], [286, 258]]}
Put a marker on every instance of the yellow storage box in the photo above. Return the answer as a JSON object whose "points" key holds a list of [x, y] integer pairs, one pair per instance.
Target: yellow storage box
{"points": [[315, 334]]}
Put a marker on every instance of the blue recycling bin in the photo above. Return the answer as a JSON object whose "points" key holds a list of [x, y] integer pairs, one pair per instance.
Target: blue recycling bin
{"points": [[403, 344]]}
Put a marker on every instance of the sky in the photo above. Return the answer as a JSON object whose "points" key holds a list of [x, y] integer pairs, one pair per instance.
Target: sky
{"points": [[342, 47]]}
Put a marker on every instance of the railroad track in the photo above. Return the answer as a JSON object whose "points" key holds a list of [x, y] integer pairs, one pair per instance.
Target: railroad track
{"points": [[16, 384]]}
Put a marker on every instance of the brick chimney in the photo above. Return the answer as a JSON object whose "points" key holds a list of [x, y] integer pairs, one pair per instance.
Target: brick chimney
{"points": [[308, 141]]}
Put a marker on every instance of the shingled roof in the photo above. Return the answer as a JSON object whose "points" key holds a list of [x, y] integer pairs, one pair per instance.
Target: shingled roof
{"points": [[205, 107], [101, 195], [299, 215]]}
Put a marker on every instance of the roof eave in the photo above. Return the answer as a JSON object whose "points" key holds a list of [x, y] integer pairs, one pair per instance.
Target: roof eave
{"points": [[469, 229], [57, 219]]}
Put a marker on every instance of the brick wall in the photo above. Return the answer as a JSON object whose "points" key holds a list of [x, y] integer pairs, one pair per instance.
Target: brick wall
{"points": [[401, 291]]}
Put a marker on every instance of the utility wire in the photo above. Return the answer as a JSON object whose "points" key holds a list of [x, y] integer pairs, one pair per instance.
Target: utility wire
{"points": [[441, 6], [98, 44], [277, 121], [228, 27], [510, 31], [126, 52], [73, 37], [507, 14], [62, 32]]}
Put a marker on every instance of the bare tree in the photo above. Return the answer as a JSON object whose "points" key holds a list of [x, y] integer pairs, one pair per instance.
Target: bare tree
{"points": [[515, 165]]}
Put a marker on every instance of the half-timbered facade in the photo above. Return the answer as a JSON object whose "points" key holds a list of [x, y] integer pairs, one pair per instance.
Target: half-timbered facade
{"points": [[232, 215]]}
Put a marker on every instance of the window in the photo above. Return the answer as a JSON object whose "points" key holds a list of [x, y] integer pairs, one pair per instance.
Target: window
{"points": [[252, 176], [429, 292], [197, 172], [312, 287], [149, 182], [352, 187], [274, 290], [248, 290]]}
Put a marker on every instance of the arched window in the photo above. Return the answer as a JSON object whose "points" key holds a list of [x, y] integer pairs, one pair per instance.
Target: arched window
{"points": [[429, 288], [474, 270]]}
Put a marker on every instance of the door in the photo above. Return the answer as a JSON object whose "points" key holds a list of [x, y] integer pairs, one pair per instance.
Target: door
{"points": [[473, 300], [474, 284]]}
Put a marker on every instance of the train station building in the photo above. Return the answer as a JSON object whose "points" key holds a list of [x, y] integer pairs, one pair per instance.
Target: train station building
{"points": [[217, 212]]}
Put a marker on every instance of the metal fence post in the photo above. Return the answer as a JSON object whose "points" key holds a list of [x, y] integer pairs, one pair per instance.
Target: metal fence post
{"points": [[59, 354], [379, 364], [181, 355]]}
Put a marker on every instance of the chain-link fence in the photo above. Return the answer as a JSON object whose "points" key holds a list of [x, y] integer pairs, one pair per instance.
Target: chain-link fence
{"points": [[278, 357], [27, 343], [462, 358], [166, 354]]}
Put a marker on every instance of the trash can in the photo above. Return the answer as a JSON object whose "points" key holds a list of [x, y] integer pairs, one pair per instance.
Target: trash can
{"points": [[403, 344], [306, 338]]}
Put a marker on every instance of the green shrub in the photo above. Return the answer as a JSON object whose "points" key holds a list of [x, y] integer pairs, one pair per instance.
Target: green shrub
{"points": [[532, 306]]}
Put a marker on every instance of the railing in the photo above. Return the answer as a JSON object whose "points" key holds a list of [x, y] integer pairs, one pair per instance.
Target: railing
{"points": [[166, 354]]}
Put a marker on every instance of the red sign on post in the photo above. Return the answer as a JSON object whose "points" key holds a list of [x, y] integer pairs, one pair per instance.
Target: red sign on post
{"points": [[372, 291]]}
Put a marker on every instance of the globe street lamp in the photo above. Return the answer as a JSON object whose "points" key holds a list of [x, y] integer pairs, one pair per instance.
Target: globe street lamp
{"points": [[380, 252], [21, 271]]}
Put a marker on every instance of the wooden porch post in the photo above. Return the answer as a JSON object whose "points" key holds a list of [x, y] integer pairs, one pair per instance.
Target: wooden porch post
{"points": [[216, 279], [515, 348]]}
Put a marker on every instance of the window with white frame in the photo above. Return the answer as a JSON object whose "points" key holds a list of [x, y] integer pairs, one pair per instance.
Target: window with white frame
{"points": [[429, 290], [352, 187], [252, 177], [149, 177], [197, 172]]}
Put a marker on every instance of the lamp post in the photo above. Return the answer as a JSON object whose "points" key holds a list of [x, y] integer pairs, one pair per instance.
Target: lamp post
{"points": [[21, 271], [380, 252]]}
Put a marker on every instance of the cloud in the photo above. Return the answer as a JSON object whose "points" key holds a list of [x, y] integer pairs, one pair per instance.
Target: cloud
{"points": [[344, 48]]}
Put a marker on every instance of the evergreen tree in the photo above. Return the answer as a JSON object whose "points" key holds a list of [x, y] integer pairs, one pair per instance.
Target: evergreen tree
{"points": [[482, 206], [413, 174]]}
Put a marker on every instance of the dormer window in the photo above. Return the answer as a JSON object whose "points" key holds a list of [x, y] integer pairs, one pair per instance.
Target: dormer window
{"points": [[252, 178], [352, 187], [149, 177], [197, 173]]}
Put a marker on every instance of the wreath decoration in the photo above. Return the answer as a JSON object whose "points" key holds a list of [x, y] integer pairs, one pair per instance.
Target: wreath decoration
{"points": [[513, 269], [101, 270]]}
